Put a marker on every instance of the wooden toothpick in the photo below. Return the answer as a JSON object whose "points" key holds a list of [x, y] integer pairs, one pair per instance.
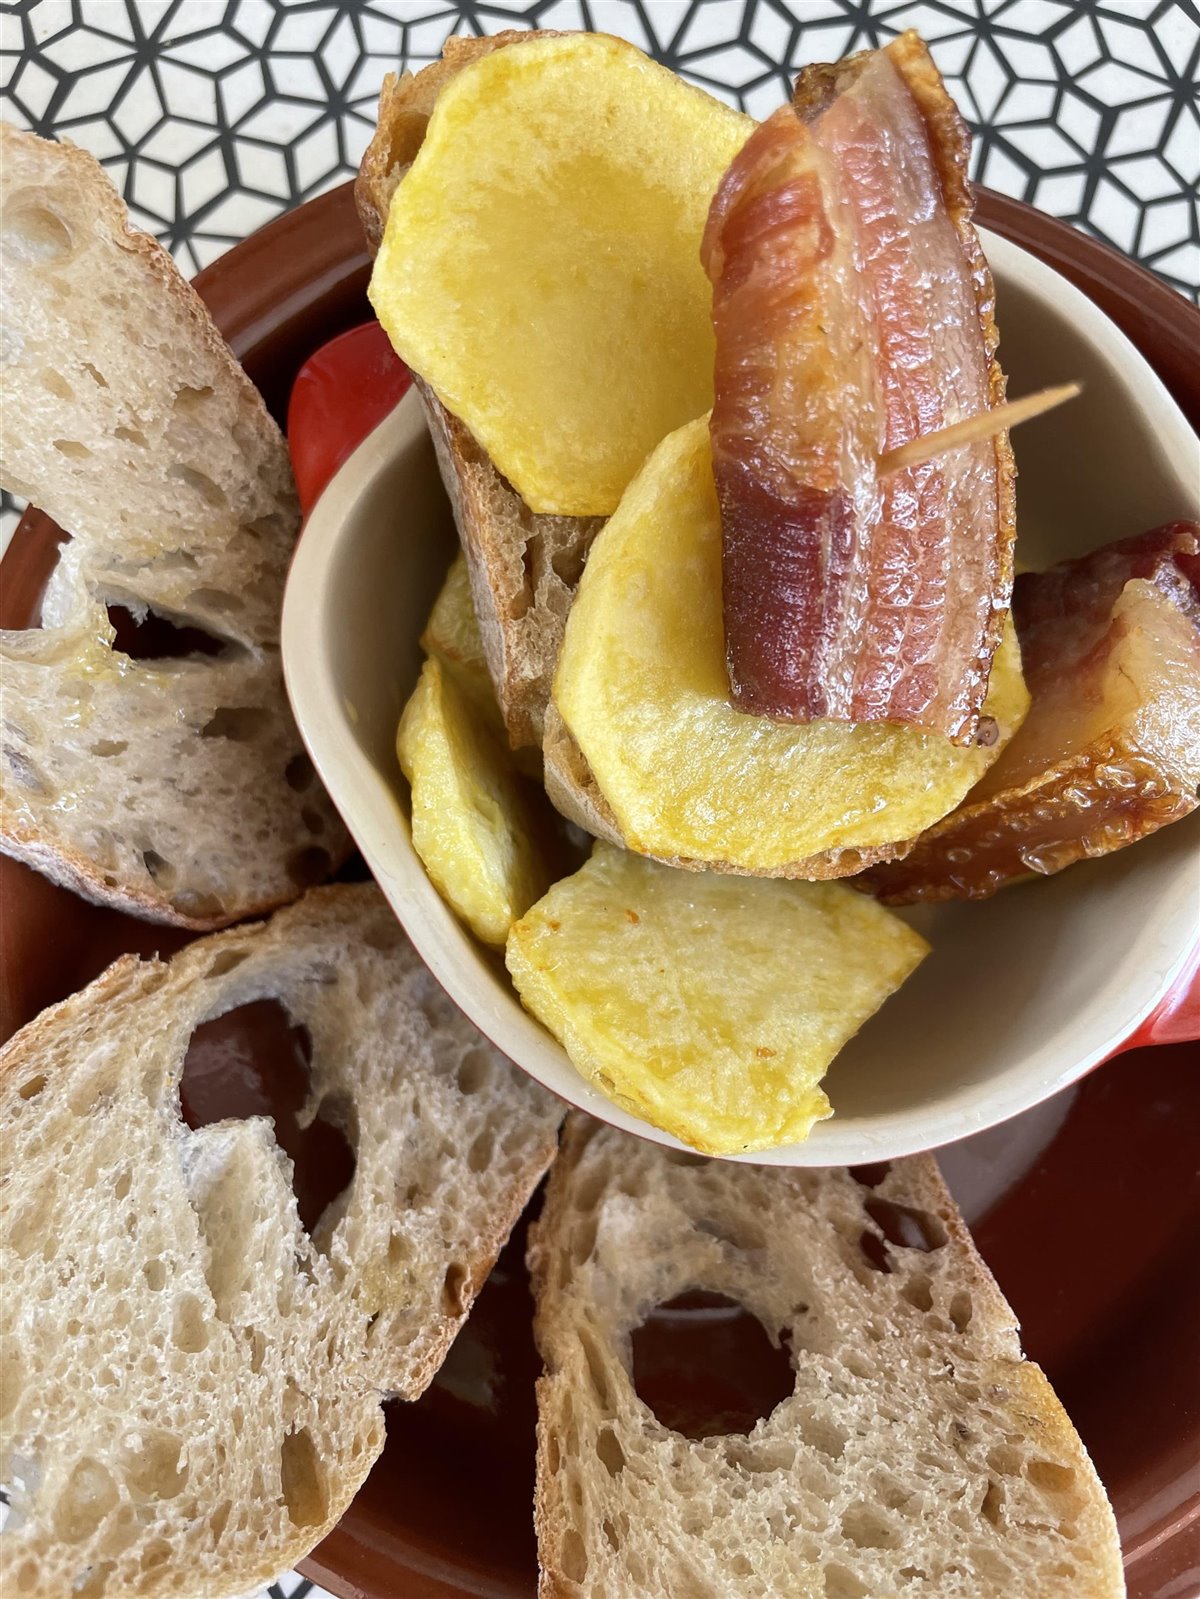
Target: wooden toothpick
{"points": [[973, 428]]}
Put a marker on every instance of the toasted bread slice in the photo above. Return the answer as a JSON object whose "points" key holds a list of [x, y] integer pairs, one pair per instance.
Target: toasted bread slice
{"points": [[192, 1383], [173, 785], [523, 567], [919, 1452]]}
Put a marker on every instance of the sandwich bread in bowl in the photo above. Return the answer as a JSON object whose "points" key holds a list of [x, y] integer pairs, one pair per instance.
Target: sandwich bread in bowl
{"points": [[629, 623]]}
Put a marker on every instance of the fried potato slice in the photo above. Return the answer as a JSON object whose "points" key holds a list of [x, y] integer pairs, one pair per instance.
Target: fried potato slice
{"points": [[641, 685], [540, 267], [709, 1005], [1110, 751], [471, 824], [452, 634]]}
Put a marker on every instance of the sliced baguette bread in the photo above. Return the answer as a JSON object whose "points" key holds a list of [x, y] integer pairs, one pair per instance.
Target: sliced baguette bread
{"points": [[176, 788], [192, 1384], [919, 1454], [524, 567]]}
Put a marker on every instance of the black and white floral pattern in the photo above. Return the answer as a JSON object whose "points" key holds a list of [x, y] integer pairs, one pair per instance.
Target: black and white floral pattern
{"points": [[215, 115]]}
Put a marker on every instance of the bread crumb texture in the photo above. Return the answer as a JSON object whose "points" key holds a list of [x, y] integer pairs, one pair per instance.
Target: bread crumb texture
{"points": [[919, 1454], [191, 1384], [149, 758]]}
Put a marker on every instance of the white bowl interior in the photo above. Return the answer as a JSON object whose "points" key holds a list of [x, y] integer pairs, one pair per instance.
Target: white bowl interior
{"points": [[1022, 993]]}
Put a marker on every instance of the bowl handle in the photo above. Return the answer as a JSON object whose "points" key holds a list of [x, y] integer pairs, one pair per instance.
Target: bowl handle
{"points": [[1176, 1017], [340, 395]]}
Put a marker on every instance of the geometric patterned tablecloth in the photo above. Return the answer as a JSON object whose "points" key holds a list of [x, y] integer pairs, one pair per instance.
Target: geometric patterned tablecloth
{"points": [[213, 116]]}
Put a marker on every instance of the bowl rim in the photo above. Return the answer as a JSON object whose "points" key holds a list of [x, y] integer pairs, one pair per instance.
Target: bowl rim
{"points": [[372, 811]]}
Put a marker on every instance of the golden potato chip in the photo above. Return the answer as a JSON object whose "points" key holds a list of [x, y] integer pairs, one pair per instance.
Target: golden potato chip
{"points": [[541, 262], [452, 634], [470, 822], [642, 686], [709, 1005]]}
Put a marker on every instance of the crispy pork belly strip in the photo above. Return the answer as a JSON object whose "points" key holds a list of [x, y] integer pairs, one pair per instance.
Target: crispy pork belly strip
{"points": [[1110, 750], [854, 312]]}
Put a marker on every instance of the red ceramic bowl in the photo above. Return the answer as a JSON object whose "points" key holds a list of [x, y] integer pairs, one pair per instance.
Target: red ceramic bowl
{"points": [[1087, 1208]]}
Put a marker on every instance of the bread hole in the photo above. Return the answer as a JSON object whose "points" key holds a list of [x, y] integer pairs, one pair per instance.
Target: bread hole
{"points": [[858, 1365], [31, 1227], [1006, 1460], [868, 1528], [93, 1581], [54, 383], [313, 820], [1051, 1477], [159, 868], [567, 563], [299, 772], [226, 961], [32, 1087], [155, 1273], [72, 449], [1064, 1568], [905, 1227], [155, 1555], [609, 1451], [479, 1156], [842, 1584], [913, 1574], [187, 400], [258, 1350], [27, 1576], [200, 482], [107, 747], [147, 635], [255, 1061], [189, 1325], [610, 1534], [151, 1466], [706, 1367], [874, 1252], [918, 1291], [992, 1503], [961, 1310], [822, 1434], [88, 1495], [456, 1290], [95, 374], [574, 1556], [241, 724], [302, 1479], [474, 1071], [871, 1174], [34, 232], [200, 906], [219, 1519], [307, 867], [131, 436]]}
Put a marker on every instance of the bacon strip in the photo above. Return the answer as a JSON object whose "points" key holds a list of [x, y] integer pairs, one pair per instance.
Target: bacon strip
{"points": [[1110, 750], [854, 312]]}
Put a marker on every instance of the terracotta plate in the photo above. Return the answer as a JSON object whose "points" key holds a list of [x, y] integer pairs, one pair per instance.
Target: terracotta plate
{"points": [[1087, 1208]]}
